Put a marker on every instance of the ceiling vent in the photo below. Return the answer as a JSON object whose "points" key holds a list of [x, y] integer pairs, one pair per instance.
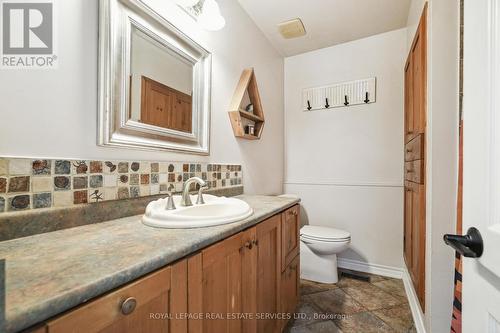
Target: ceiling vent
{"points": [[292, 28]]}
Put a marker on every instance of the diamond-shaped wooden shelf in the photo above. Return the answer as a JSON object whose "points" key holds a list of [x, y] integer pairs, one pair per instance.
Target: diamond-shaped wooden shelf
{"points": [[246, 93]]}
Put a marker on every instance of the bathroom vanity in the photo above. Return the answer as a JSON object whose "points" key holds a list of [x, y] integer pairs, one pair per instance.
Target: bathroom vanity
{"points": [[127, 277]]}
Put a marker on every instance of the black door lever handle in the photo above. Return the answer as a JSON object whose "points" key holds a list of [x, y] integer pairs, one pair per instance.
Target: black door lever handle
{"points": [[469, 245]]}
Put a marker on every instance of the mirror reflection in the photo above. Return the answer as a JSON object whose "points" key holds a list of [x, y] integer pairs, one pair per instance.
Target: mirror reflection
{"points": [[161, 84]]}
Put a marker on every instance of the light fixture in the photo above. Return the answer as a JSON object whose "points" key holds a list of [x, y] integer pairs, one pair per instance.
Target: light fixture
{"points": [[187, 3], [210, 17]]}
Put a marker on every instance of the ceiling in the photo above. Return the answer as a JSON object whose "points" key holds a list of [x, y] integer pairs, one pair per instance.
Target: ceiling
{"points": [[327, 22]]}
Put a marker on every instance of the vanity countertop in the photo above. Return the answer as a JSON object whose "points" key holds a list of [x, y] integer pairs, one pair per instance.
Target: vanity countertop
{"points": [[50, 273]]}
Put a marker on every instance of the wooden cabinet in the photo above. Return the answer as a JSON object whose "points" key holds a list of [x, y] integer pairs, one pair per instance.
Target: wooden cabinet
{"points": [[415, 158], [290, 228], [269, 273], [165, 107], [240, 277], [416, 83], [414, 236], [290, 289], [236, 285], [142, 306]]}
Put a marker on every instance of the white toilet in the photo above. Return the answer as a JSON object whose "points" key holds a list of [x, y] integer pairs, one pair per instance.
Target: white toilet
{"points": [[318, 252]]}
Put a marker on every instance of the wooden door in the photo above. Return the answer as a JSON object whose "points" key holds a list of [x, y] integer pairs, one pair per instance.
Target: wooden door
{"points": [[290, 229], [142, 306], [268, 241]]}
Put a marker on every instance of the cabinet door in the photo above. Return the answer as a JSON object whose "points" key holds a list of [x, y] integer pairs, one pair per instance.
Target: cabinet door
{"points": [[290, 289], [409, 123], [156, 103], [415, 236], [129, 309], [290, 228], [268, 273], [221, 292], [182, 115], [408, 213], [418, 241]]}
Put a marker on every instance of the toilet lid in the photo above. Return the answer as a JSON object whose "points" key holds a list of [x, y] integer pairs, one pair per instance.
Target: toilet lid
{"points": [[323, 233]]}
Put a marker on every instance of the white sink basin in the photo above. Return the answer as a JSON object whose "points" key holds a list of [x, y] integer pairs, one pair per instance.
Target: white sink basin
{"points": [[215, 211]]}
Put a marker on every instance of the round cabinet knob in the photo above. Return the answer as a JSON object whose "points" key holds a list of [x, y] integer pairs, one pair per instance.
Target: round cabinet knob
{"points": [[248, 245], [128, 306]]}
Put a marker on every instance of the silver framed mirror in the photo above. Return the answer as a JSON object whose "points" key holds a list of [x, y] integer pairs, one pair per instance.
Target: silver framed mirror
{"points": [[154, 82]]}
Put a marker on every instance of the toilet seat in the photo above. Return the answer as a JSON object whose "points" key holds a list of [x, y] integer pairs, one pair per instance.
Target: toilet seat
{"points": [[324, 234]]}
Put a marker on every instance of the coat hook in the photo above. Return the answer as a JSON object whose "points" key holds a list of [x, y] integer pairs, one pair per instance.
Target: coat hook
{"points": [[327, 105], [308, 105], [346, 102], [367, 100]]}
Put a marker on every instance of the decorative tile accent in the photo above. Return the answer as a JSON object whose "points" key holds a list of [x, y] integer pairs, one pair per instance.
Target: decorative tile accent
{"points": [[62, 183], [80, 182], [123, 167], [80, 167], [3, 185], [95, 167], [43, 183], [134, 179], [19, 184], [96, 181], [19, 202], [42, 200], [80, 197], [62, 167], [41, 167]]}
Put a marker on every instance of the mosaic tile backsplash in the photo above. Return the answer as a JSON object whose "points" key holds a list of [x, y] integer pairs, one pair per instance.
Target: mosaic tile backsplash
{"points": [[34, 184]]}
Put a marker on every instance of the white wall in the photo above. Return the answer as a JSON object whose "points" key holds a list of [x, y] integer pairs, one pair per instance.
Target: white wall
{"points": [[442, 159], [347, 163], [53, 113]]}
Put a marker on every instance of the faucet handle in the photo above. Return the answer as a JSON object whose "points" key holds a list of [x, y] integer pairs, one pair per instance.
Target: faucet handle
{"points": [[200, 200], [170, 202]]}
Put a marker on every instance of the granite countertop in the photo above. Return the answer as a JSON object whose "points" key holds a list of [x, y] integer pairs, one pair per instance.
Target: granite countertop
{"points": [[50, 273]]}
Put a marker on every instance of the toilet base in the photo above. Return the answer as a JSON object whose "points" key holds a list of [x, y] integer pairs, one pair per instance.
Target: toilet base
{"points": [[318, 268]]}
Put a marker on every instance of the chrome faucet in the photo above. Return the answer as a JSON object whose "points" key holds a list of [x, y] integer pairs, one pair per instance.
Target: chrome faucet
{"points": [[186, 199], [170, 202]]}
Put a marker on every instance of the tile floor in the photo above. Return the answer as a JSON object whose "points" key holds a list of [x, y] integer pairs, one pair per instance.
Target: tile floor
{"points": [[353, 305]]}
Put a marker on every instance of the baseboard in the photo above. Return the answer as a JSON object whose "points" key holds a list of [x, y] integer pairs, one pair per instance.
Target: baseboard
{"points": [[360, 266], [393, 272], [416, 311]]}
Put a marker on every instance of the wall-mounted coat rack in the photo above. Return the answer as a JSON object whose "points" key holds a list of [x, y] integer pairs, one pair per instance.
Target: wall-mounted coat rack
{"points": [[339, 95]]}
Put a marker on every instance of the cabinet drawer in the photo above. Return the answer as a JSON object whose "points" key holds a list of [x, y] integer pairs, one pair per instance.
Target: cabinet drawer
{"points": [[125, 310], [290, 227], [414, 150], [414, 171]]}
